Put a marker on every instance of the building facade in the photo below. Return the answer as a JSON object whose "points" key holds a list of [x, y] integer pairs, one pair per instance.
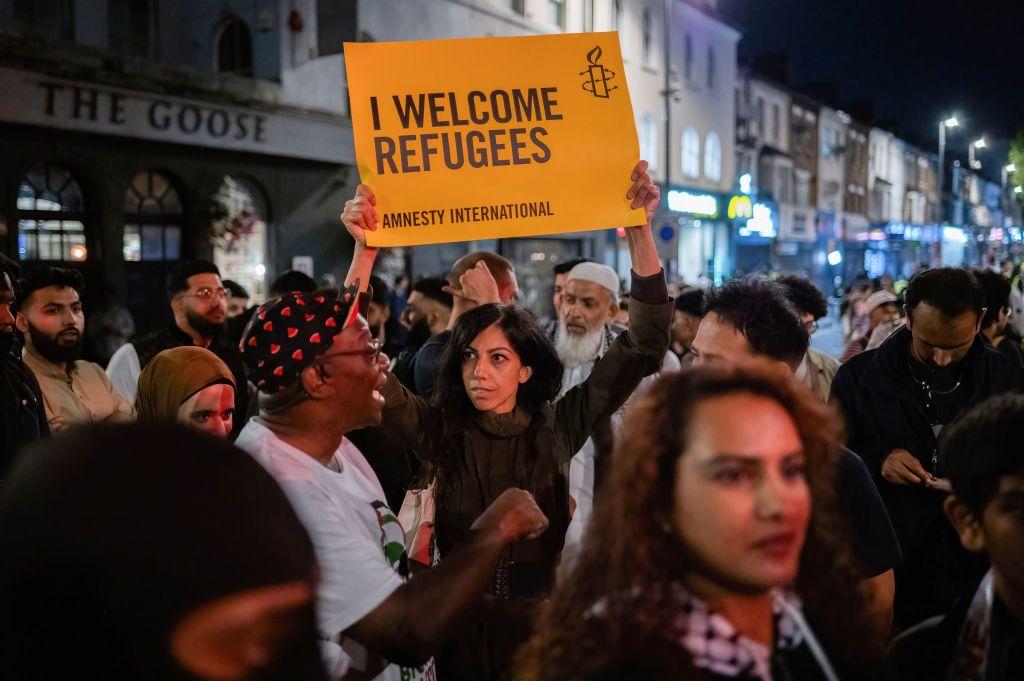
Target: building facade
{"points": [[140, 133], [701, 168], [797, 237], [765, 169], [689, 143], [854, 220]]}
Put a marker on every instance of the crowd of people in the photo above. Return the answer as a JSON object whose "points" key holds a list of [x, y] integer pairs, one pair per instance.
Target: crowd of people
{"points": [[358, 483]]}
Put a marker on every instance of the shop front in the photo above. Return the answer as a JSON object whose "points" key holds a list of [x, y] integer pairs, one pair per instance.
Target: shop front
{"points": [[797, 240], [755, 228], [997, 244], [122, 184], [845, 253], [912, 247], [698, 240], [955, 246]]}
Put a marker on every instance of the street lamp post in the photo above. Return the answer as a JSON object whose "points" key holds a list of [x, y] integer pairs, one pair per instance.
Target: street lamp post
{"points": [[1004, 196], [950, 122], [974, 163], [668, 93]]}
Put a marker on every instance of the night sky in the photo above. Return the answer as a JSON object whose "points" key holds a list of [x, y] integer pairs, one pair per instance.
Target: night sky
{"points": [[916, 61]]}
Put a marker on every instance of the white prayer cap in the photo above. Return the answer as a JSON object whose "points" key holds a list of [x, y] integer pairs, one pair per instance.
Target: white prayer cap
{"points": [[602, 275], [877, 299]]}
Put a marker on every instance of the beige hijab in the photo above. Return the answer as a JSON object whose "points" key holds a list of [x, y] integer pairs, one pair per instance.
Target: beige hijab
{"points": [[175, 375]]}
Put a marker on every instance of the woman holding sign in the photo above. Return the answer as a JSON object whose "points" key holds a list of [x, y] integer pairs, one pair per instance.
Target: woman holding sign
{"points": [[493, 422]]}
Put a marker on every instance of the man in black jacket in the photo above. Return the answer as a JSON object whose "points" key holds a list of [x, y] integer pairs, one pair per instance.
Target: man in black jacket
{"points": [[897, 399], [22, 417], [982, 456]]}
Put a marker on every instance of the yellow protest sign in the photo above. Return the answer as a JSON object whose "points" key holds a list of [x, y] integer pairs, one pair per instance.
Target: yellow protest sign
{"points": [[481, 138]]}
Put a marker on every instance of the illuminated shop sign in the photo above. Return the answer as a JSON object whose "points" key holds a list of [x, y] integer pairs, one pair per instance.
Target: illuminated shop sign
{"points": [[760, 224], [740, 207], [692, 203], [954, 235]]}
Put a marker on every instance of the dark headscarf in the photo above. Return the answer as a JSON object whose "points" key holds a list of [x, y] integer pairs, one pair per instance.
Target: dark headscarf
{"points": [[175, 375], [109, 539]]}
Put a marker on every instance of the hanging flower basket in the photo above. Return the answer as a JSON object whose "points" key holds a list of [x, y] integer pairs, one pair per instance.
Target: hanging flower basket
{"points": [[232, 215]]}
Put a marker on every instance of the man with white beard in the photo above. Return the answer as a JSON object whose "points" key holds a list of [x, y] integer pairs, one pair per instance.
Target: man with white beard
{"points": [[583, 334]]}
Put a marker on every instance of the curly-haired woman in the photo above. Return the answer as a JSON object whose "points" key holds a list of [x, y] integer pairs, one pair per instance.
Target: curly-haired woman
{"points": [[714, 554], [494, 423]]}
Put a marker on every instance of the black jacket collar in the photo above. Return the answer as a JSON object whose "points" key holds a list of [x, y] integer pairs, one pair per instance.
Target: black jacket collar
{"points": [[888, 369]]}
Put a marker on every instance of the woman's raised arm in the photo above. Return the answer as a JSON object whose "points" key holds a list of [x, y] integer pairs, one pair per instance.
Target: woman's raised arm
{"points": [[360, 216]]}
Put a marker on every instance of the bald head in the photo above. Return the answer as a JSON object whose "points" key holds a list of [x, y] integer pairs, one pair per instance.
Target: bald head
{"points": [[502, 269]]}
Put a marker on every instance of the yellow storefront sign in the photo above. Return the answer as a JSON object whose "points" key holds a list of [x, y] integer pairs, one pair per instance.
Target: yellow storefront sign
{"points": [[740, 207], [482, 138]]}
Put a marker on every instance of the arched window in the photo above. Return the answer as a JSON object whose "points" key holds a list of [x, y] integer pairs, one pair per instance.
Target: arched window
{"points": [[234, 48], [691, 153], [239, 234], [50, 213], [649, 140], [713, 157], [152, 219]]}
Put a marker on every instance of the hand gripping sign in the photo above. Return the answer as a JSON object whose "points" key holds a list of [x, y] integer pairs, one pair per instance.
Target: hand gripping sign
{"points": [[483, 138]]}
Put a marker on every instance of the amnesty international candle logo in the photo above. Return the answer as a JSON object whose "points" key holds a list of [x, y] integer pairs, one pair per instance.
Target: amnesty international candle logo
{"points": [[485, 138], [597, 75]]}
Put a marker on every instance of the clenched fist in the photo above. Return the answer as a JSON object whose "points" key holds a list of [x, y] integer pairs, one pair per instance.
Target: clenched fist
{"points": [[514, 515], [360, 214]]}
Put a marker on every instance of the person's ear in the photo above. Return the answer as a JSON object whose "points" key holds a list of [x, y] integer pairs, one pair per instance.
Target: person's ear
{"points": [[233, 637], [906, 315], [613, 311], [787, 369], [21, 322], [966, 524], [981, 317], [525, 373], [315, 383]]}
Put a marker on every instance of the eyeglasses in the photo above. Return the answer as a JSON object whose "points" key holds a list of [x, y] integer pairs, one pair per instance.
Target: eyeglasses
{"points": [[207, 293], [811, 326], [373, 351]]}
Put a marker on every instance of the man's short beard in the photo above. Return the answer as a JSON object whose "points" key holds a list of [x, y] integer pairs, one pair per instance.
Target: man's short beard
{"points": [[577, 350], [420, 333], [49, 346], [204, 326]]}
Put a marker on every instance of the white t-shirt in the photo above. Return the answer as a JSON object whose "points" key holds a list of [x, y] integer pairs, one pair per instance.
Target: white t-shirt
{"points": [[582, 471], [359, 542], [123, 371]]}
